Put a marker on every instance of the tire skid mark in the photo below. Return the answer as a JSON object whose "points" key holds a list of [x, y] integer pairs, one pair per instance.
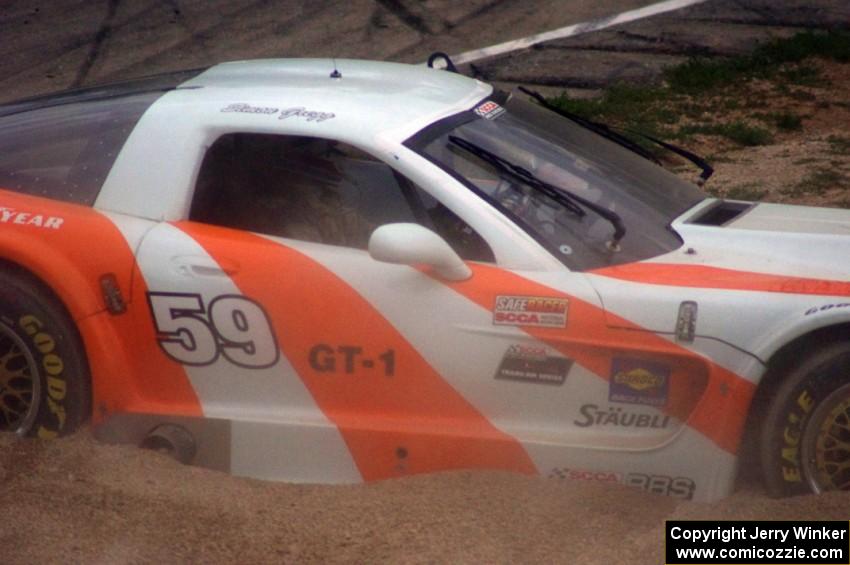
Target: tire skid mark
{"points": [[100, 38], [414, 21]]}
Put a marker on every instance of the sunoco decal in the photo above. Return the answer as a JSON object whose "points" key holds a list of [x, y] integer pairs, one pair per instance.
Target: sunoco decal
{"points": [[489, 110], [530, 311], [635, 381], [534, 365]]}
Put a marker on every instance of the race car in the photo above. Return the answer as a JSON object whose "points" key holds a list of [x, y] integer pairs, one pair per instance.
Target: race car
{"points": [[340, 271]]}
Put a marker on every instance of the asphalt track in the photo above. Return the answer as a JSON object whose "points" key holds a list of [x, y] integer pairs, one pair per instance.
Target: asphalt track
{"points": [[50, 46], [55, 45]]}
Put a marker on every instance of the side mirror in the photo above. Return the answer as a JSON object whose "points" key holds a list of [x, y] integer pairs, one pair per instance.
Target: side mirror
{"points": [[412, 244]]}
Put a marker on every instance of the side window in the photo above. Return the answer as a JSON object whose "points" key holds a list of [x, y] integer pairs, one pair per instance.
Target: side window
{"points": [[316, 190], [65, 151]]}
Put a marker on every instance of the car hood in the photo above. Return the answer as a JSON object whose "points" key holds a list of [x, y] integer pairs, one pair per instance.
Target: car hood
{"points": [[781, 239], [792, 219], [768, 239]]}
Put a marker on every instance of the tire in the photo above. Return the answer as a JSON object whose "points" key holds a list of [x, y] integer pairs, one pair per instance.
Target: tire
{"points": [[44, 378], [805, 437]]}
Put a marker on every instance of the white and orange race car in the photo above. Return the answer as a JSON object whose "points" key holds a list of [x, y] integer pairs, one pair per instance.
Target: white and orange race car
{"points": [[338, 271]]}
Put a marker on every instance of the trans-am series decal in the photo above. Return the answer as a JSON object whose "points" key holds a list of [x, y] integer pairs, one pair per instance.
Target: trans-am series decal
{"points": [[534, 365]]}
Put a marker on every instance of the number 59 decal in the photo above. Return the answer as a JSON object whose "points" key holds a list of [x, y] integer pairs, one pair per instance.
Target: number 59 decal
{"points": [[232, 325]]}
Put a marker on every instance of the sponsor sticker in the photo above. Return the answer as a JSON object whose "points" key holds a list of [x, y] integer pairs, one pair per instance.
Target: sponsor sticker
{"points": [[298, 112], [826, 307], [676, 487], [489, 110], [534, 365], [637, 381], [537, 311], [594, 415], [33, 219]]}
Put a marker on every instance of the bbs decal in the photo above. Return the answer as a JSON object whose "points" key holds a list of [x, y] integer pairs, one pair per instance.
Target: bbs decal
{"points": [[231, 325]]}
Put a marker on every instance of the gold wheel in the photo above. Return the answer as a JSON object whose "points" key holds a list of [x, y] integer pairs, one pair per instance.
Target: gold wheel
{"points": [[19, 383], [826, 444]]}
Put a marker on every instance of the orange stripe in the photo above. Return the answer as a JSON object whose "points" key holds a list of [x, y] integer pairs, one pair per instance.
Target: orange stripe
{"points": [[412, 422], [701, 276], [592, 343], [128, 370]]}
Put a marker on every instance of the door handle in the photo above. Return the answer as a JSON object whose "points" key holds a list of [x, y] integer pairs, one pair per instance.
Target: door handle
{"points": [[201, 266]]}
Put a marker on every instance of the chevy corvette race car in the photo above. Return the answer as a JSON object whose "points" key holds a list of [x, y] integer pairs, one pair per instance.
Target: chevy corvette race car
{"points": [[343, 271]]}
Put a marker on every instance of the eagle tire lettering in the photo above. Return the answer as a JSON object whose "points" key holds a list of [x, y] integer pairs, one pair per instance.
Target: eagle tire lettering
{"points": [[230, 326], [44, 379], [805, 386]]}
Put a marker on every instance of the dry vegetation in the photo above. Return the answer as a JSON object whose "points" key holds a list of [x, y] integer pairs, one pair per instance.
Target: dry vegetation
{"points": [[775, 124]]}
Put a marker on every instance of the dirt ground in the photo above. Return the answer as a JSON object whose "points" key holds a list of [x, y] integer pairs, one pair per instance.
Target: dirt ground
{"points": [[809, 165], [78, 501]]}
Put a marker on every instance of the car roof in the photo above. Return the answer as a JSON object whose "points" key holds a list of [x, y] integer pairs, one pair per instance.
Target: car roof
{"points": [[370, 96]]}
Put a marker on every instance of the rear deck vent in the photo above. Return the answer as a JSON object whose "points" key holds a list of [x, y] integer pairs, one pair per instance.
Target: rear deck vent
{"points": [[721, 213]]}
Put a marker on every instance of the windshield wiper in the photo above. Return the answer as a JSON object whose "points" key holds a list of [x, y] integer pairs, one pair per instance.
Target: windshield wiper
{"points": [[609, 133], [573, 202]]}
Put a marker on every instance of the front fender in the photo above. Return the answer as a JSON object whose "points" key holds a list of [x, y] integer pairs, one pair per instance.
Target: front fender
{"points": [[824, 314]]}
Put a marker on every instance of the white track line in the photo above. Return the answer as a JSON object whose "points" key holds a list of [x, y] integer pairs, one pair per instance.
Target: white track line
{"points": [[573, 30]]}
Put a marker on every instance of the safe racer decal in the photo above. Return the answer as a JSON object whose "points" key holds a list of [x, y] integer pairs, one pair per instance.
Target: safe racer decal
{"points": [[535, 311]]}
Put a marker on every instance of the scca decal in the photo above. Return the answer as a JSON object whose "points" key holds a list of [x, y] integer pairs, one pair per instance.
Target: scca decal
{"points": [[677, 487], [232, 325], [536, 311]]}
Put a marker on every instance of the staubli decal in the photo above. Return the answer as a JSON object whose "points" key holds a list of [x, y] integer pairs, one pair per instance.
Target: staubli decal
{"points": [[635, 381], [614, 416], [533, 365], [539, 311]]}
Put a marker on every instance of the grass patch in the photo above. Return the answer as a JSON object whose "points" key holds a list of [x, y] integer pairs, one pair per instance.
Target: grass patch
{"points": [[700, 74], [737, 131], [817, 182], [749, 191], [788, 121], [699, 95], [650, 106]]}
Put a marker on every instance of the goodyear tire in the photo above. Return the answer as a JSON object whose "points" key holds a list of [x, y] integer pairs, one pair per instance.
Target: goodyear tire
{"points": [[44, 382], [805, 443]]}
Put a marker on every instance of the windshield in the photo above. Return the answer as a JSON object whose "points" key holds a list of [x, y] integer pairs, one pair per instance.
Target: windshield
{"points": [[558, 153]]}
